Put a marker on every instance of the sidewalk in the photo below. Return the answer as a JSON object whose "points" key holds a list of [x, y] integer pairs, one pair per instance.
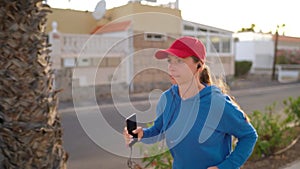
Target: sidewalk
{"points": [[294, 165]]}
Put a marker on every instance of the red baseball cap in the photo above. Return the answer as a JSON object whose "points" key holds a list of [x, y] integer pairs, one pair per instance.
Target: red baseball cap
{"points": [[184, 47]]}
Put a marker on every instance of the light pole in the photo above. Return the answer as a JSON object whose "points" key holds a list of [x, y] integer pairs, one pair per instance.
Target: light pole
{"points": [[275, 51]]}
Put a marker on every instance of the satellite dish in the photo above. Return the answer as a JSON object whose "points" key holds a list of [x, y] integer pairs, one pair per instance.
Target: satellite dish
{"points": [[99, 10]]}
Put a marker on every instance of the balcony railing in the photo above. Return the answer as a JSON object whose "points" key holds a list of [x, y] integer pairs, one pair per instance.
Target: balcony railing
{"points": [[73, 45]]}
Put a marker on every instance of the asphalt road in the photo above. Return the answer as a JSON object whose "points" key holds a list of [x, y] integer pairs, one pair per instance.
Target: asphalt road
{"points": [[258, 99], [103, 151]]}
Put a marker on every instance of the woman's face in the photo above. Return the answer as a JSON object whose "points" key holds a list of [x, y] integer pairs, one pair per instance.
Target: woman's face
{"points": [[181, 70]]}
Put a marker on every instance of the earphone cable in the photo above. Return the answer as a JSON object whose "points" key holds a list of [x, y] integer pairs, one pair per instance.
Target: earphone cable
{"points": [[130, 163]]}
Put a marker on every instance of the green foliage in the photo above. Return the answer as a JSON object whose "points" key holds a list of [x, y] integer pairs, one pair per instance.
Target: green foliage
{"points": [[282, 60], [242, 68], [275, 131], [288, 56], [161, 161], [156, 156], [292, 109], [249, 29]]}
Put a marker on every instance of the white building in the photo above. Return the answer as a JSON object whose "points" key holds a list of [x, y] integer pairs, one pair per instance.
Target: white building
{"points": [[219, 46], [257, 48]]}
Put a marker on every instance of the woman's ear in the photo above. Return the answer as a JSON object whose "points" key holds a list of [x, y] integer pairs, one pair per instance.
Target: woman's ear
{"points": [[198, 66]]}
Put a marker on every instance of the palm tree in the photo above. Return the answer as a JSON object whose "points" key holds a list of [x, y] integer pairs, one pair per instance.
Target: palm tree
{"points": [[251, 29], [30, 127]]}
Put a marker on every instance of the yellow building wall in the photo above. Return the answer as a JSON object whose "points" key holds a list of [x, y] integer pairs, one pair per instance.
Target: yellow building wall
{"points": [[146, 18], [71, 21]]}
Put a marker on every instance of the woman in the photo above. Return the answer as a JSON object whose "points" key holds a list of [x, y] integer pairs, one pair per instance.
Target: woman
{"points": [[195, 117]]}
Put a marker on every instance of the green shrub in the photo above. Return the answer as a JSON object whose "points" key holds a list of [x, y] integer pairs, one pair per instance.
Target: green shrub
{"points": [[242, 68], [162, 160], [156, 156], [288, 57], [282, 60], [292, 109], [274, 131]]}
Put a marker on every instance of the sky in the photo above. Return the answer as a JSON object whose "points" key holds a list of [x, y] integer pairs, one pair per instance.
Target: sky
{"points": [[225, 14]]}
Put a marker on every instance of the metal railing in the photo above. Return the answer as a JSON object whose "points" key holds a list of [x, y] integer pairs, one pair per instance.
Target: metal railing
{"points": [[90, 45]]}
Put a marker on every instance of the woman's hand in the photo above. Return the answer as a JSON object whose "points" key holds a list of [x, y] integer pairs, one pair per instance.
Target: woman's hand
{"points": [[214, 167], [129, 138]]}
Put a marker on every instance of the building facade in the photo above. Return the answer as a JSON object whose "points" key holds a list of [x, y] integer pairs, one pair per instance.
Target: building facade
{"points": [[259, 48], [119, 48], [219, 46]]}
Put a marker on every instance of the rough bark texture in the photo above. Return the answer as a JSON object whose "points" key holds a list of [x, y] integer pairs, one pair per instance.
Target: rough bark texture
{"points": [[30, 127]]}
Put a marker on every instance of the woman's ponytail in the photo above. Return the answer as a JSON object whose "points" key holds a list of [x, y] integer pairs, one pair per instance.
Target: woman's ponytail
{"points": [[205, 76]]}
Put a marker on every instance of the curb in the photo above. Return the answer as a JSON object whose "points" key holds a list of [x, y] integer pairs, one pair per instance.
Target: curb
{"points": [[247, 91], [293, 165]]}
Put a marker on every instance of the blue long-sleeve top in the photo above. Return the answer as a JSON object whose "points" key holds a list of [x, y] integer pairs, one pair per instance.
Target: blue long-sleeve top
{"points": [[199, 130]]}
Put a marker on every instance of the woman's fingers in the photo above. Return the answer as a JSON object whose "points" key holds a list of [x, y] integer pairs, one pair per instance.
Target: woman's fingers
{"points": [[139, 131], [127, 137]]}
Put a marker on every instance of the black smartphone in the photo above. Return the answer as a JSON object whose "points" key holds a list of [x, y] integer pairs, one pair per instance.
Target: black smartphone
{"points": [[131, 124]]}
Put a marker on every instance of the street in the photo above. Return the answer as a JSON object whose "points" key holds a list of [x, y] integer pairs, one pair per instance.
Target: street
{"points": [[258, 99], [89, 153]]}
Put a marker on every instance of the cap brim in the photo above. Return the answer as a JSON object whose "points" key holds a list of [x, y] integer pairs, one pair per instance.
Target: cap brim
{"points": [[162, 54]]}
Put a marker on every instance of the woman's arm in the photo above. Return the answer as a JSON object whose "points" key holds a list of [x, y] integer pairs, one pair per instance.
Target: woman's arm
{"points": [[154, 133], [234, 122]]}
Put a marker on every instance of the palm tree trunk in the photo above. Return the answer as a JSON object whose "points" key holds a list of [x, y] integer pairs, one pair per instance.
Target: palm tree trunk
{"points": [[30, 127]]}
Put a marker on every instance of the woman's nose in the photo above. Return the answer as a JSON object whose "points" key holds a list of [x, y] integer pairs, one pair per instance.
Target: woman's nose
{"points": [[171, 66]]}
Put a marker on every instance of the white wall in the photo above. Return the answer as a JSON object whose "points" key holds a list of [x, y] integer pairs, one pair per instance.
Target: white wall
{"points": [[264, 54], [261, 53], [245, 51]]}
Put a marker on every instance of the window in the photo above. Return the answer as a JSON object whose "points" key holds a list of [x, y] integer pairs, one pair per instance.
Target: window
{"points": [[215, 44], [83, 62], [69, 62], [201, 30], [212, 31], [188, 28], [202, 39], [154, 37], [226, 45]]}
